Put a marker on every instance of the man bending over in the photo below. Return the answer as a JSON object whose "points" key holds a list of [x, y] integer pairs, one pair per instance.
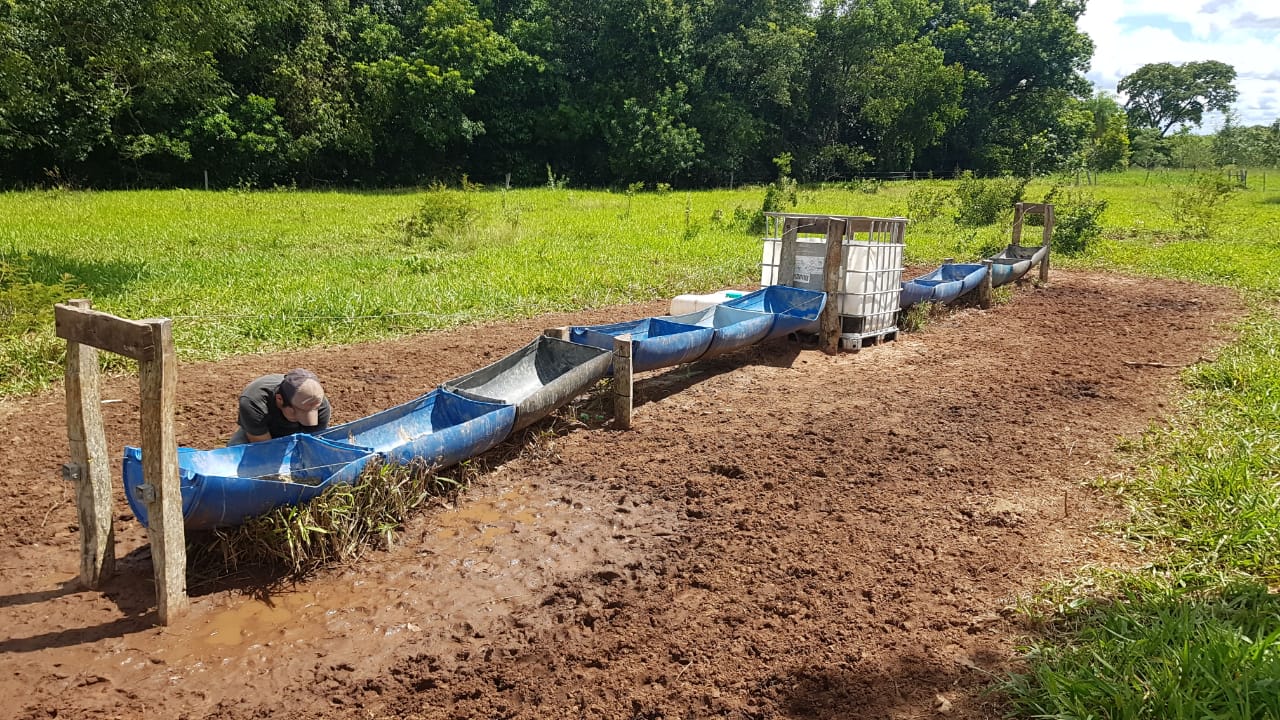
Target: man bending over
{"points": [[278, 405]]}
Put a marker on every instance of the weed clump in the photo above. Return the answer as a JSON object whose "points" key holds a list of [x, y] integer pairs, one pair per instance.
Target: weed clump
{"points": [[779, 195], [926, 203], [339, 526], [916, 317], [27, 348]]}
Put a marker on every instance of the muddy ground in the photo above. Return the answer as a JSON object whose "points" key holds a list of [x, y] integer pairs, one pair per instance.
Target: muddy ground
{"points": [[782, 533]]}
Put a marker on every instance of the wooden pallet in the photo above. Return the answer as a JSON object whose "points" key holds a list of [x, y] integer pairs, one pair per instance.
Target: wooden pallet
{"points": [[857, 343]]}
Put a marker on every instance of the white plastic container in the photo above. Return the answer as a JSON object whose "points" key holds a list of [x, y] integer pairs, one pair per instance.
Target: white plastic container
{"points": [[870, 282], [691, 303]]}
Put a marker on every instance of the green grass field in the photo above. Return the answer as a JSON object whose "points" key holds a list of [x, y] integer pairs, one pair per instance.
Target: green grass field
{"points": [[1194, 634]]}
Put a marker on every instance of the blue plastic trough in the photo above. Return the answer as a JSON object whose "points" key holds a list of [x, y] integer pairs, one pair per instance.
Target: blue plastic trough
{"points": [[943, 285], [441, 428], [655, 342], [794, 309], [1014, 262], [734, 328], [229, 485]]}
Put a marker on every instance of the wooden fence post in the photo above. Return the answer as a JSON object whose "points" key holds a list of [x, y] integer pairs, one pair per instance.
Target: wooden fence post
{"points": [[985, 291], [161, 492], [832, 269], [623, 386], [1046, 241], [787, 254], [89, 469], [1018, 209]]}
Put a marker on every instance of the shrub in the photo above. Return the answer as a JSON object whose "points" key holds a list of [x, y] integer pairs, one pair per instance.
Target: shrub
{"points": [[26, 305], [926, 202], [443, 212], [779, 195], [1077, 219], [983, 202], [1198, 206], [27, 345]]}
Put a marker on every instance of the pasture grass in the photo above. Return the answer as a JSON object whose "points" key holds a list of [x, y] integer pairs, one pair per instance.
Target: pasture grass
{"points": [[244, 272], [1195, 633]]}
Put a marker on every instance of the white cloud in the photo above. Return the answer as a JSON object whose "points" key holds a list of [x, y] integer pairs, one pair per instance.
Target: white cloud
{"points": [[1245, 34]]}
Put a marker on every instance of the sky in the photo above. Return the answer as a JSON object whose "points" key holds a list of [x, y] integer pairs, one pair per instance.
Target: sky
{"points": [[1245, 34]]}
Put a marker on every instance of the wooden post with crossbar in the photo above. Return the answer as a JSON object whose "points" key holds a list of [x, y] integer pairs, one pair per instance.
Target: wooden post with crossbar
{"points": [[150, 342], [832, 268], [1047, 241]]}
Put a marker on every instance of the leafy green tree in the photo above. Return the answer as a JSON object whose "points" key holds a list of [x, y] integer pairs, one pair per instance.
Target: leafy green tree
{"points": [[878, 90], [1162, 95], [606, 66], [1231, 144], [417, 95], [1188, 150], [1107, 146], [102, 89], [1024, 66], [749, 65], [652, 141], [1148, 149]]}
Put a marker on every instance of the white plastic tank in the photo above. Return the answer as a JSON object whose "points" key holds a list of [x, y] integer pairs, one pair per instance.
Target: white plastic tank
{"points": [[690, 303]]}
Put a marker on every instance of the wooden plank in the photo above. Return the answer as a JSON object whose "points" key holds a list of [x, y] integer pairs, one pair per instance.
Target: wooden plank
{"points": [[89, 468], [1017, 224], [787, 255], [832, 268], [1046, 241], [623, 387], [104, 331], [559, 333], [158, 378]]}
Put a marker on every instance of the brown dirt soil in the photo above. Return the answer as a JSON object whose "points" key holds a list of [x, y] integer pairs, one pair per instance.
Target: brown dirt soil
{"points": [[782, 534]]}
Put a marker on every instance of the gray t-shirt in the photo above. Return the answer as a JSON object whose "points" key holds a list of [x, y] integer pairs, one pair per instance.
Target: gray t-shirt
{"points": [[259, 414]]}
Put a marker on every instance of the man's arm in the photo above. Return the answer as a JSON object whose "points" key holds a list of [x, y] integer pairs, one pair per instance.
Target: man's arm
{"points": [[253, 418]]}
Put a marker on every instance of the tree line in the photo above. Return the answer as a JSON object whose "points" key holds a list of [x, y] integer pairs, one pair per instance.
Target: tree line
{"points": [[110, 93]]}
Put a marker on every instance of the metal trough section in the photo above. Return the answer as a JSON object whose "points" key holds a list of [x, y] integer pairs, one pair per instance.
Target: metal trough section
{"points": [[441, 428], [655, 342], [227, 486], [1014, 262], [537, 378]]}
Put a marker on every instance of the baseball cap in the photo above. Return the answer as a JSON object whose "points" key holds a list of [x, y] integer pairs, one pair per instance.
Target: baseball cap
{"points": [[301, 391]]}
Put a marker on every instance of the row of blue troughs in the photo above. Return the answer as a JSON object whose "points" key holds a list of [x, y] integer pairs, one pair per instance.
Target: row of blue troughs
{"points": [[469, 415], [954, 280], [466, 416]]}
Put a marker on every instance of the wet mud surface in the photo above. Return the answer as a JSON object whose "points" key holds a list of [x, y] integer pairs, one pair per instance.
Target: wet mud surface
{"points": [[782, 534]]}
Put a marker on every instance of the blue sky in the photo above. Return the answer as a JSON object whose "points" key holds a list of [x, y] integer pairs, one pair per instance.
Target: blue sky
{"points": [[1242, 33]]}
